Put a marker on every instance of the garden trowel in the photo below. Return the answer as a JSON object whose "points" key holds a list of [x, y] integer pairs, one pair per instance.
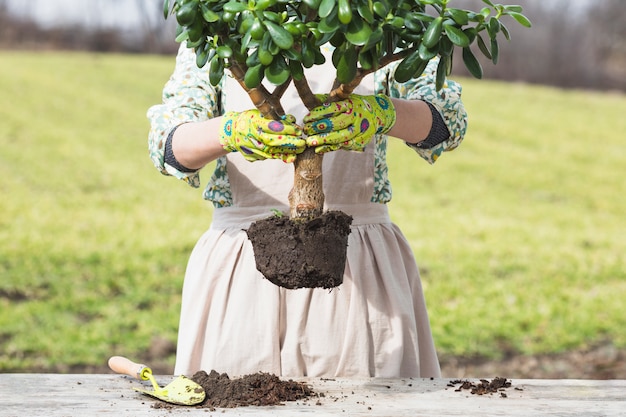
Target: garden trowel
{"points": [[182, 390]]}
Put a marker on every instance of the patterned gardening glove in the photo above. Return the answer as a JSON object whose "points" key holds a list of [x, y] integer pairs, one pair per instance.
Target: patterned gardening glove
{"points": [[257, 138], [348, 124]]}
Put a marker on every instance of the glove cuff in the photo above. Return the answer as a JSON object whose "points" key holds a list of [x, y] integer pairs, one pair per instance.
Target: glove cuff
{"points": [[387, 113], [226, 131]]}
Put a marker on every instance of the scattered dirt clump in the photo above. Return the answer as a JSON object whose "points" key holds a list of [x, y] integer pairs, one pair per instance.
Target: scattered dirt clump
{"points": [[302, 254], [496, 385], [260, 389]]}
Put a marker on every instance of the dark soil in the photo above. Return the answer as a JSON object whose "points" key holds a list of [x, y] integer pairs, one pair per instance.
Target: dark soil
{"points": [[302, 254], [251, 390], [497, 385]]}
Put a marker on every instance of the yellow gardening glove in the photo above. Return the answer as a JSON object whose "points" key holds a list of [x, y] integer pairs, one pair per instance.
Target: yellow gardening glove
{"points": [[348, 124], [257, 138]]}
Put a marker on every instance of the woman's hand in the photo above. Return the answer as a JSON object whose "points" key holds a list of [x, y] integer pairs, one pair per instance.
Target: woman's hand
{"points": [[257, 138], [348, 124]]}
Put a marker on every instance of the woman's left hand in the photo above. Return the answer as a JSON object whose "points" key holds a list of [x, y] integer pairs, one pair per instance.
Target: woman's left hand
{"points": [[348, 124]]}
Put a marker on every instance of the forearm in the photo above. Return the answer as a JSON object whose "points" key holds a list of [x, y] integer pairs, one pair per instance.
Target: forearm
{"points": [[413, 120], [196, 144]]}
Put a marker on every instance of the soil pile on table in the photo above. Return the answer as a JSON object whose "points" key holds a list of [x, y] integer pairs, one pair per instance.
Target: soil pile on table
{"points": [[302, 254], [251, 390]]}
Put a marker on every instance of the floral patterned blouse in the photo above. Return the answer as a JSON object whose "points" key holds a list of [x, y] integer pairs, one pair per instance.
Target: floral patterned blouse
{"points": [[188, 96]]}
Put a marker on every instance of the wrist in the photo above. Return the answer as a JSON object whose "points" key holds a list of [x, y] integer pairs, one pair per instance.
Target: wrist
{"points": [[438, 131], [169, 157]]}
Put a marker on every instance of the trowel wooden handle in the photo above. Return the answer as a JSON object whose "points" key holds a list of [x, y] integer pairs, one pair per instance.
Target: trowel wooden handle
{"points": [[122, 365]]}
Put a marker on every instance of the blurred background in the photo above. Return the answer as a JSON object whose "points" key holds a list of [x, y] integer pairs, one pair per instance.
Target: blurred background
{"points": [[574, 43]]}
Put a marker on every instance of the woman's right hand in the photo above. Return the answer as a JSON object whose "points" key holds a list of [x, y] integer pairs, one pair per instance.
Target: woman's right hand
{"points": [[257, 138]]}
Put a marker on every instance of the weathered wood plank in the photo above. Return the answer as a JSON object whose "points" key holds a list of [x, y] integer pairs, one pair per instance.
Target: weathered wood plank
{"points": [[87, 395]]}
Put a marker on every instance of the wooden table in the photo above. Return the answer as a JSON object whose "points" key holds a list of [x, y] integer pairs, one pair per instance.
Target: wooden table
{"points": [[112, 395]]}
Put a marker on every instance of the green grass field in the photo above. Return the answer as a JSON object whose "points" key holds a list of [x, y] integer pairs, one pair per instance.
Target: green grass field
{"points": [[519, 233]]}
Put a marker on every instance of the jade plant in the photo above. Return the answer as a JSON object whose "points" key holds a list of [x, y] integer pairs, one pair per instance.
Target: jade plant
{"points": [[276, 40]]}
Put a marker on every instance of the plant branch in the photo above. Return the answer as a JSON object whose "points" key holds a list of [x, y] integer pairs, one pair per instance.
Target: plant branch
{"points": [[262, 99], [343, 91]]}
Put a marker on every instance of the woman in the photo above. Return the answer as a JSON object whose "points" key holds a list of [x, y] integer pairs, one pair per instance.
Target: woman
{"points": [[235, 321]]}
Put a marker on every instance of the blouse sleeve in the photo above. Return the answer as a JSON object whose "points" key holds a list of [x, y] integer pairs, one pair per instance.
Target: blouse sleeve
{"points": [[447, 101], [188, 96]]}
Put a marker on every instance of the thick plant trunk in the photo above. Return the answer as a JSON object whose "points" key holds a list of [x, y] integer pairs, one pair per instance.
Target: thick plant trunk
{"points": [[306, 199]]}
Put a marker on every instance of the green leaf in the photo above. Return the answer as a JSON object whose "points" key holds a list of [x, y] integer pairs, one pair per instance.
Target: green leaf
{"points": [[456, 35], [358, 32], [234, 6], [326, 6], [513, 8], [458, 15], [224, 51], [495, 51], [265, 56], [367, 60], [208, 14], [407, 68], [446, 47], [216, 71], [433, 33], [296, 70], [202, 55], [253, 59], [273, 16], [347, 64], [413, 23], [186, 14], [426, 18], [374, 39], [381, 9], [254, 76], [366, 10], [319, 58], [428, 53], [521, 19], [278, 71], [313, 4], [281, 36], [264, 4], [344, 11], [308, 54], [471, 33], [442, 67], [397, 22], [505, 31], [292, 54], [489, 3], [327, 37], [493, 27], [471, 63], [182, 36], [166, 8], [483, 47], [330, 23]]}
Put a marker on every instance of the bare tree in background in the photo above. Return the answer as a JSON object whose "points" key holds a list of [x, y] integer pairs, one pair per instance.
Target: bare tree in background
{"points": [[158, 33], [608, 19], [587, 50]]}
